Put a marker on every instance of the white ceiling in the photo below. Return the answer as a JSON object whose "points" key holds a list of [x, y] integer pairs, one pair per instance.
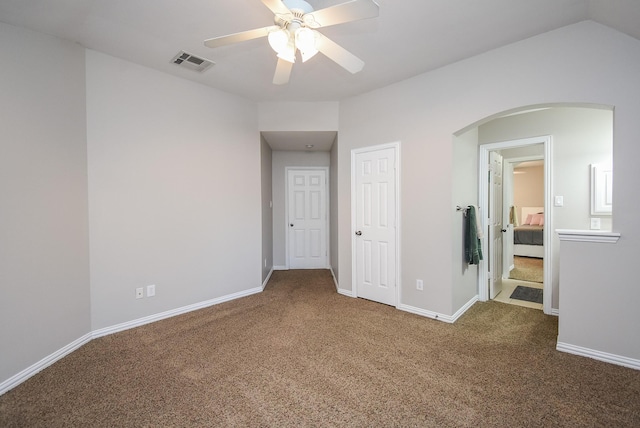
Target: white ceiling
{"points": [[409, 37]]}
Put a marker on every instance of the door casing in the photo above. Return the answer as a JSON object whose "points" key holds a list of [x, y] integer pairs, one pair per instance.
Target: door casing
{"points": [[483, 192]]}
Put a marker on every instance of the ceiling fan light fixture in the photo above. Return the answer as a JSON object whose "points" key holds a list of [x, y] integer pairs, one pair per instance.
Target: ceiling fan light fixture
{"points": [[306, 43], [288, 53], [306, 55], [279, 40]]}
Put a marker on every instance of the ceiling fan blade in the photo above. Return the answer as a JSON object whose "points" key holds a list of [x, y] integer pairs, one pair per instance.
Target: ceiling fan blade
{"points": [[277, 7], [283, 71], [353, 10], [240, 37], [338, 54]]}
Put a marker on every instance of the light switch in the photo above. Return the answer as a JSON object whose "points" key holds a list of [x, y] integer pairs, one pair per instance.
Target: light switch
{"points": [[559, 201]]}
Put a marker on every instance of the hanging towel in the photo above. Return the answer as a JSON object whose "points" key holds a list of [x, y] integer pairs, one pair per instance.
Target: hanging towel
{"points": [[478, 224], [513, 216], [472, 248]]}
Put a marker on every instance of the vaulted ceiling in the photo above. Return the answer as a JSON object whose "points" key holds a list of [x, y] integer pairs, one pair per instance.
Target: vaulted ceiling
{"points": [[409, 37]]}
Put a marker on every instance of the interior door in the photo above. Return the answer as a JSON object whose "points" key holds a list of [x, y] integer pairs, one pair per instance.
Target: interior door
{"points": [[507, 221], [307, 218], [375, 225], [495, 224]]}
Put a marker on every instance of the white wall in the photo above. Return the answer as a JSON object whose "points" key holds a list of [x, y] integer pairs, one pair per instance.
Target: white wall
{"points": [[282, 160], [174, 191], [464, 175], [581, 63], [528, 188], [298, 116], [267, 207], [334, 210], [526, 196], [44, 258]]}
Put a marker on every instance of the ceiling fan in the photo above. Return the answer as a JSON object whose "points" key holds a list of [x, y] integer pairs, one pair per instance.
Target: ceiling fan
{"points": [[295, 30]]}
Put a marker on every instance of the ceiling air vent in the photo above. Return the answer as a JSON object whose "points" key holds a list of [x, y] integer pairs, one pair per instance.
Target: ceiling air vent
{"points": [[191, 62]]}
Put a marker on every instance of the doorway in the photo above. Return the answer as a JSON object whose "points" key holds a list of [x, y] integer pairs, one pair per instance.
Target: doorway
{"points": [[375, 205], [523, 243], [492, 219]]}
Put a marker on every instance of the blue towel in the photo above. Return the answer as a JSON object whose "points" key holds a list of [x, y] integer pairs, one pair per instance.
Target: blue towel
{"points": [[472, 247]]}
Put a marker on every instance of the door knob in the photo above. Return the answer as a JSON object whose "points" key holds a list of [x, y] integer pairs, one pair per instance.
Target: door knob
{"points": [[504, 230], [358, 233]]}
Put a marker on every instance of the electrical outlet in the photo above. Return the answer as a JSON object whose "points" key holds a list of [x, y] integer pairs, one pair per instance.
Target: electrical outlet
{"points": [[419, 285], [139, 293], [151, 290], [595, 224]]}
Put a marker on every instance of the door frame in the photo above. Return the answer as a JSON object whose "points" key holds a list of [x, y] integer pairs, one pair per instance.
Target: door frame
{"points": [[287, 169], [483, 192], [396, 147]]}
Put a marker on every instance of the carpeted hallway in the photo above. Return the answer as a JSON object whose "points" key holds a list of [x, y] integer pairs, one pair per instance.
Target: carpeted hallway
{"points": [[299, 354]]}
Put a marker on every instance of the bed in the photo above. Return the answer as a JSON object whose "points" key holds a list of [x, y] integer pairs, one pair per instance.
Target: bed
{"points": [[528, 238]]}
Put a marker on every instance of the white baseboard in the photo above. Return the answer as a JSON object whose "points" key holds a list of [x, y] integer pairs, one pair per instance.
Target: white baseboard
{"points": [[264, 283], [619, 360], [173, 312], [335, 281], [345, 292], [25, 374], [280, 268], [425, 313], [438, 316], [464, 308]]}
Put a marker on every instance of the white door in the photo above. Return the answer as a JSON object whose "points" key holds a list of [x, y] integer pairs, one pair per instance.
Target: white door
{"points": [[375, 202], [495, 225], [507, 221], [307, 218]]}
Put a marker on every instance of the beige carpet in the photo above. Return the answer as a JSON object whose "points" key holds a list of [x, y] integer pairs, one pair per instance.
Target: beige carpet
{"points": [[527, 269], [299, 354]]}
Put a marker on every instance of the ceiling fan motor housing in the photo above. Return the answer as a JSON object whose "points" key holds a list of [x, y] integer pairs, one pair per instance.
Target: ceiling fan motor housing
{"points": [[298, 5]]}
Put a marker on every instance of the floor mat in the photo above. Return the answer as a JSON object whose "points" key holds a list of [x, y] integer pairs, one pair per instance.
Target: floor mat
{"points": [[528, 294]]}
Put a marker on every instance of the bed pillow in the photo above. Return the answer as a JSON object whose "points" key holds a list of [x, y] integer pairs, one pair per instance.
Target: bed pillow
{"points": [[537, 220], [528, 219]]}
